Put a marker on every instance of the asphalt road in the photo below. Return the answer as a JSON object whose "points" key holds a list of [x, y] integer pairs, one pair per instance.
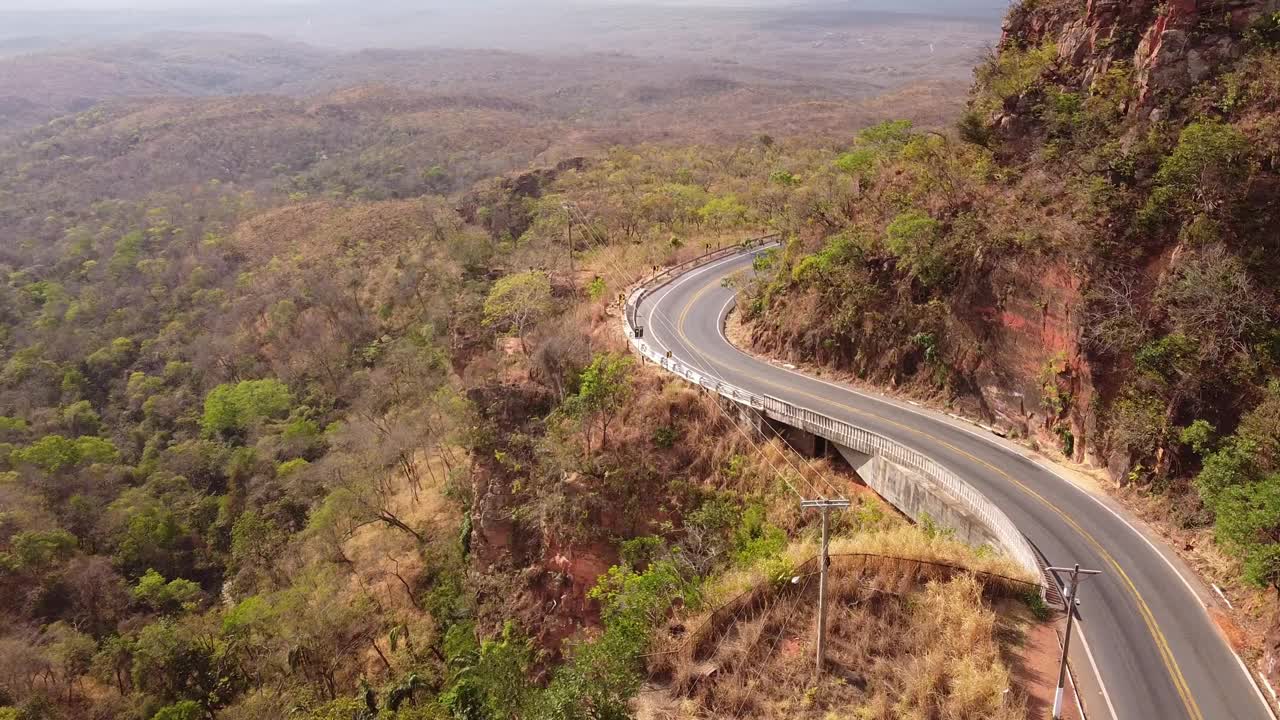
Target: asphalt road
{"points": [[1150, 648]]}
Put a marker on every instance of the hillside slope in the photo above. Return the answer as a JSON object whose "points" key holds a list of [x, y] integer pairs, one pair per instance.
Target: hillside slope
{"points": [[1093, 263]]}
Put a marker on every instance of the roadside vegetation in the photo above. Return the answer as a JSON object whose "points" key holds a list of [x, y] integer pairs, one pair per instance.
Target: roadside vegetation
{"points": [[1112, 271], [283, 451], [348, 439]]}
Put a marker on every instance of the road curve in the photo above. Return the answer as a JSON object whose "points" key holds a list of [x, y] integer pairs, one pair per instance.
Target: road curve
{"points": [[1150, 649]]}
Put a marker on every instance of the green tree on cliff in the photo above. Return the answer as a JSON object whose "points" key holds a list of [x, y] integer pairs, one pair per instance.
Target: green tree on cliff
{"points": [[517, 302]]}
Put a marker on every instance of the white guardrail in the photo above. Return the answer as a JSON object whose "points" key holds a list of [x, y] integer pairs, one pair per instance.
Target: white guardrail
{"points": [[855, 438]]}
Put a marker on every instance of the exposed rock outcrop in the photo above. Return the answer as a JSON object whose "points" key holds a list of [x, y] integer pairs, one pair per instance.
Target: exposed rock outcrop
{"points": [[499, 206], [1171, 45]]}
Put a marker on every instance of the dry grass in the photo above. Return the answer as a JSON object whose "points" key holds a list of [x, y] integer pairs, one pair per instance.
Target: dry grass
{"points": [[907, 640], [910, 542]]}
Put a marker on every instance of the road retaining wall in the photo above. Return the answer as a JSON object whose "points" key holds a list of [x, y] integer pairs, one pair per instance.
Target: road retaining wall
{"points": [[914, 483]]}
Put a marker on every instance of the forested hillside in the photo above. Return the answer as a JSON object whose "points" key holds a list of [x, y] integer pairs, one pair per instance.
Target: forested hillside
{"points": [[302, 411], [1090, 264], [315, 403]]}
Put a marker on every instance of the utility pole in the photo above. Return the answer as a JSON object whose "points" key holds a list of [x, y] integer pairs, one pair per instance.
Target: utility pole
{"points": [[570, 241], [826, 506], [1070, 600]]}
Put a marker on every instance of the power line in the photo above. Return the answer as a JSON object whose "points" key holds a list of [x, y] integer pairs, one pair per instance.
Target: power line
{"points": [[706, 366], [755, 446], [782, 631], [737, 426]]}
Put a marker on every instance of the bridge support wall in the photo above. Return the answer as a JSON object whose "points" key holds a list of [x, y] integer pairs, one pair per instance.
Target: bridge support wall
{"points": [[919, 497], [802, 441], [912, 492], [913, 482]]}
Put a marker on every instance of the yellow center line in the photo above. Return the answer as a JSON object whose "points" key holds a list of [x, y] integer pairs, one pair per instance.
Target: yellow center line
{"points": [[1162, 644]]}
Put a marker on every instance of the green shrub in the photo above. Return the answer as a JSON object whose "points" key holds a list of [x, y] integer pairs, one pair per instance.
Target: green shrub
{"points": [[914, 237], [725, 211], [755, 538], [1265, 32], [604, 674], [889, 136], [840, 249], [664, 437], [54, 453], [231, 408], [1014, 71], [973, 128], [1205, 173], [858, 161], [290, 467], [1037, 606], [1198, 436]]}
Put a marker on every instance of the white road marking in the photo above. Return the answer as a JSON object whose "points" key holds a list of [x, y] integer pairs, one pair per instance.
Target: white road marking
{"points": [[1106, 696], [1016, 450], [1257, 688], [1005, 446], [1097, 674]]}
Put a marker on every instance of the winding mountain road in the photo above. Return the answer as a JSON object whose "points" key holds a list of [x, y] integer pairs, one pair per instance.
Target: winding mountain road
{"points": [[1147, 646]]}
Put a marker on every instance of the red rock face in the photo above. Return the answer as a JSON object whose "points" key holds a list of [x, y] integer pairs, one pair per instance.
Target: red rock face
{"points": [[1031, 349], [1271, 645], [1171, 44], [1032, 354]]}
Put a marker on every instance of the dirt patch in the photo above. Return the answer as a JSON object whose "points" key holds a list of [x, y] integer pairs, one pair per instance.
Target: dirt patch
{"points": [[386, 563], [1235, 635], [1035, 666]]}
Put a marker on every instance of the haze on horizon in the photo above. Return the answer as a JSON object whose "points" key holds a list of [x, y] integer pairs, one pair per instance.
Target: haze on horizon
{"points": [[563, 26]]}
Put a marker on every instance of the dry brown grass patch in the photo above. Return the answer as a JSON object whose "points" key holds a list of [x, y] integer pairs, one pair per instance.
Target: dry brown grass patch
{"points": [[906, 639]]}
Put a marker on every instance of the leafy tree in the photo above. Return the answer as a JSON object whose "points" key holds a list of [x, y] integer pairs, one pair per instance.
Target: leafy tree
{"points": [[72, 652], [1241, 484], [36, 552], [489, 680], [175, 661], [1205, 173], [858, 161], [914, 237], [127, 252], [80, 418], [1248, 523], [1198, 435], [153, 591], [232, 408], [1013, 72], [55, 453], [149, 538], [888, 136], [603, 389], [11, 427], [107, 360], [724, 211], [256, 541], [604, 674], [516, 302], [114, 662]]}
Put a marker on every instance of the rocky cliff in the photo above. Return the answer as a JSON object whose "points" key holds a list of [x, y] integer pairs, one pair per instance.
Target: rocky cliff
{"points": [[1170, 46], [1094, 262]]}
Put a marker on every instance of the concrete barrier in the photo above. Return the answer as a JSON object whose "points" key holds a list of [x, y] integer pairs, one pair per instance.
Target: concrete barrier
{"points": [[918, 497], [911, 481]]}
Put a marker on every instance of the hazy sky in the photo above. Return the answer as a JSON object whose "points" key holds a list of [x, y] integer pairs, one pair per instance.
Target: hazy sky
{"points": [[565, 26], [222, 6]]}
